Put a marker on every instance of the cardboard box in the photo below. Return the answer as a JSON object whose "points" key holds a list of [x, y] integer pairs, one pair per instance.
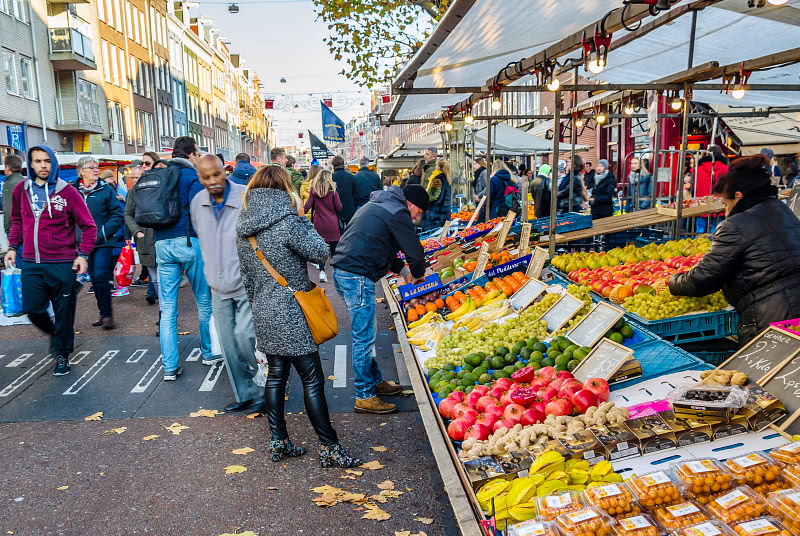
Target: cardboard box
{"points": [[762, 408], [617, 440], [482, 470], [653, 433], [584, 446], [736, 426], [515, 463], [687, 433]]}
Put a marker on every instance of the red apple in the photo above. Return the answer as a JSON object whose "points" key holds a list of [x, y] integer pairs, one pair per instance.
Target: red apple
{"points": [[531, 416], [478, 431], [523, 375], [503, 383], [459, 410], [504, 423], [446, 407], [599, 387], [486, 419], [473, 398], [458, 396], [547, 372], [559, 407], [456, 429], [483, 402], [583, 400], [547, 394], [513, 412], [469, 416], [496, 409], [482, 389], [496, 392]]}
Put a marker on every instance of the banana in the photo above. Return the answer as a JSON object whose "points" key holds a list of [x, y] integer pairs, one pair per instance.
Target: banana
{"points": [[424, 320], [475, 324], [463, 309], [491, 296], [502, 296]]}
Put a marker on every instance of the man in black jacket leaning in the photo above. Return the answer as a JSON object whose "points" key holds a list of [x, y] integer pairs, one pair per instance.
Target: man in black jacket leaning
{"points": [[365, 253], [346, 188], [367, 181]]}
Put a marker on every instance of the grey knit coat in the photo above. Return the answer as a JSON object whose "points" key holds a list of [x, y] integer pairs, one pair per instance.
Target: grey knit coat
{"points": [[289, 242]]}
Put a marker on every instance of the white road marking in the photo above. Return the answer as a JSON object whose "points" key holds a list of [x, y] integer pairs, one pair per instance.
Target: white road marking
{"points": [[152, 372], [194, 355], [212, 377], [2, 356], [340, 366], [89, 375], [80, 356], [31, 372], [400, 364], [136, 356], [20, 360]]}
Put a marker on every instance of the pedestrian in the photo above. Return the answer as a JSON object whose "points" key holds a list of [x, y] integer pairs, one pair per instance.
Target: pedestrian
{"points": [[588, 176], [45, 215], [429, 157], [604, 191], [324, 206], [144, 239], [755, 256], [565, 175], [367, 181], [243, 169], [478, 180], [415, 177], [119, 190], [438, 189], [294, 172], [151, 160], [541, 192], [366, 252], [709, 169], [108, 216], [12, 171], [642, 187], [178, 251], [305, 189], [287, 243], [775, 169], [215, 211], [277, 156], [500, 181], [346, 188], [793, 172]]}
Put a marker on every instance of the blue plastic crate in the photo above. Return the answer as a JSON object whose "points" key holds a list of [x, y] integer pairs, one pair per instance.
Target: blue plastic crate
{"points": [[631, 235], [714, 358], [658, 358], [643, 241], [691, 327], [574, 222]]}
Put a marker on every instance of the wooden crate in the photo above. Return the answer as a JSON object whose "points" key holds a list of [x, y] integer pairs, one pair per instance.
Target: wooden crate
{"points": [[688, 212]]}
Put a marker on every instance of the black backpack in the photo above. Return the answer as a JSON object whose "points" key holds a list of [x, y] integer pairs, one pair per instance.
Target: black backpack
{"points": [[156, 194]]}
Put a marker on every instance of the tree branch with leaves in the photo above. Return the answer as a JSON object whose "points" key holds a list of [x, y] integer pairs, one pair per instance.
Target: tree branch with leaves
{"points": [[376, 38]]}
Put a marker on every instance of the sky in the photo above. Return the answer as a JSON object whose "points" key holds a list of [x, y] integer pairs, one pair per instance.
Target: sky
{"points": [[281, 38]]}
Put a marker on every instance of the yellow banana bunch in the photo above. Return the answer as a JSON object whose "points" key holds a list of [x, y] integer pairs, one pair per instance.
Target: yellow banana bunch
{"points": [[467, 307], [494, 313], [427, 317]]}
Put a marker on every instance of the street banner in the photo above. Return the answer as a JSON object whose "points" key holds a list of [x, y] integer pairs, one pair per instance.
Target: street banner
{"points": [[332, 126], [319, 150]]}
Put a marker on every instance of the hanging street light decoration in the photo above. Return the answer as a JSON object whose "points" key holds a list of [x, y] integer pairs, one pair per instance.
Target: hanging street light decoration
{"points": [[600, 116], [233, 8], [579, 121], [739, 82], [676, 103], [595, 50], [628, 108]]}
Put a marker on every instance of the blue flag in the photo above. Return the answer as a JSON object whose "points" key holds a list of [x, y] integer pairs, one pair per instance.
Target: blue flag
{"points": [[332, 126]]}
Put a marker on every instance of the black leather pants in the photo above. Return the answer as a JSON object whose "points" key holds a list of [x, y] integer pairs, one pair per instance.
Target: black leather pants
{"points": [[310, 370]]}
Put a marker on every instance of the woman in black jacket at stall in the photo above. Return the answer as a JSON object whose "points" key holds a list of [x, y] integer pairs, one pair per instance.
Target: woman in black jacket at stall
{"points": [[605, 188], [755, 255], [108, 216]]}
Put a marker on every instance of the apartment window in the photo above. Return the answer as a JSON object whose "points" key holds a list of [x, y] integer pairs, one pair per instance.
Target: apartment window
{"points": [[153, 35], [26, 70], [129, 125], [141, 76], [138, 127], [106, 64], [101, 10], [144, 29], [118, 119], [163, 29], [4, 6], [118, 15], [136, 25], [128, 20], [114, 66], [21, 10], [134, 75], [123, 70], [11, 72], [150, 130], [147, 80], [110, 116], [87, 99]]}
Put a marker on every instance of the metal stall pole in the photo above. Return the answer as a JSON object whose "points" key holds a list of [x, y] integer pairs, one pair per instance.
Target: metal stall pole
{"points": [[489, 167], [682, 161], [554, 181], [572, 136], [654, 180]]}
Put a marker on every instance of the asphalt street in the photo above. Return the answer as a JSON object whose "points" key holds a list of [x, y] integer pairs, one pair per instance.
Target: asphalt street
{"points": [[118, 483]]}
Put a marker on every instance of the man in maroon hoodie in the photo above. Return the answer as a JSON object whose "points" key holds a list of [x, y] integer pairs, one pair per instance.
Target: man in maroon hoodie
{"points": [[45, 214]]}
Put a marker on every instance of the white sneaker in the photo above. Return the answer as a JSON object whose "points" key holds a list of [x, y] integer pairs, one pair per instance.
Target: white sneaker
{"points": [[322, 277]]}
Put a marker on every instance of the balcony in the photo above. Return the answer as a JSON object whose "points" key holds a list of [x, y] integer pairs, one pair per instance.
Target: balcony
{"points": [[70, 46], [78, 115]]}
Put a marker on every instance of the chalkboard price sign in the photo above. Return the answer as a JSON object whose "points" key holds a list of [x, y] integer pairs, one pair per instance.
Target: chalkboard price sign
{"points": [[525, 295], [483, 258], [603, 361], [445, 229], [595, 324], [785, 384], [537, 263], [501, 239], [561, 311], [525, 240], [765, 355]]}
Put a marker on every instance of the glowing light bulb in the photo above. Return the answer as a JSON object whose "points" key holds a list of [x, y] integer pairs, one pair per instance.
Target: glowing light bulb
{"points": [[553, 84], [496, 105], [579, 122], [448, 127], [601, 117], [676, 104], [597, 65], [777, 2], [468, 119], [738, 93], [628, 109]]}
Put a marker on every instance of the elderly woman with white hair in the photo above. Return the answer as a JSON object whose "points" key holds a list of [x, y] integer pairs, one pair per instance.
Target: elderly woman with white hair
{"points": [[108, 216]]}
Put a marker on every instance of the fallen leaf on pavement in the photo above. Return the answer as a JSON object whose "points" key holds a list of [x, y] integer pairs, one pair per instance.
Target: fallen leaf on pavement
{"points": [[375, 513], [62, 488], [176, 428], [384, 423], [115, 430], [386, 484], [231, 469], [347, 477], [332, 377], [245, 533], [270, 488], [325, 489], [183, 332], [379, 449], [205, 413], [402, 533], [354, 472], [150, 437], [374, 465], [243, 450], [355, 498], [407, 392], [94, 416], [254, 415], [424, 520]]}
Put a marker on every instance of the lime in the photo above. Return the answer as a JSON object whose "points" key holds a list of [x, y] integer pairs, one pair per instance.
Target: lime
{"points": [[469, 389], [455, 382], [432, 372], [462, 373], [568, 354], [459, 388], [448, 366], [532, 342], [553, 352], [479, 371], [519, 365], [497, 374], [616, 337], [563, 345], [510, 369], [559, 368], [500, 350], [473, 359], [627, 332], [465, 383], [536, 365], [525, 353], [484, 379], [469, 377], [447, 376], [572, 364], [447, 390], [620, 323]]}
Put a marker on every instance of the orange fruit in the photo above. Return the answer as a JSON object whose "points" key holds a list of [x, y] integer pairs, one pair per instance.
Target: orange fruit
{"points": [[439, 303], [412, 315], [515, 286], [430, 307], [461, 299], [420, 309], [519, 276], [506, 288], [458, 295], [508, 279], [490, 286]]}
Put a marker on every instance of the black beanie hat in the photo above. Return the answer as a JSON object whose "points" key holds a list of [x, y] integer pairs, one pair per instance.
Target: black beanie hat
{"points": [[416, 195]]}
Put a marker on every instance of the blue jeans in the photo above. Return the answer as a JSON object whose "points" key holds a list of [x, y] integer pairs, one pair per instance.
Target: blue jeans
{"points": [[100, 272], [358, 293], [174, 257]]}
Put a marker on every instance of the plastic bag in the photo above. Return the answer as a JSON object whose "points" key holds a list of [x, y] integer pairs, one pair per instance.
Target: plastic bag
{"points": [[260, 377], [11, 293], [123, 271]]}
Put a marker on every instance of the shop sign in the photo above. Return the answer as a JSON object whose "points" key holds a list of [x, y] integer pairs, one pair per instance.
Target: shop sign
{"points": [[16, 137]]}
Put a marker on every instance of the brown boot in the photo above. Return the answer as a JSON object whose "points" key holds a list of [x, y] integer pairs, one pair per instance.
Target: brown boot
{"points": [[388, 389], [108, 322], [374, 405]]}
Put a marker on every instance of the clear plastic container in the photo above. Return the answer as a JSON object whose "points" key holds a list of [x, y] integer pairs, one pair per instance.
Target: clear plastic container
{"points": [[533, 527], [641, 525], [785, 505], [655, 489], [763, 526], [706, 528], [703, 479], [676, 516], [792, 475], [788, 454], [739, 504], [712, 396], [585, 522], [613, 499], [559, 503], [757, 470]]}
